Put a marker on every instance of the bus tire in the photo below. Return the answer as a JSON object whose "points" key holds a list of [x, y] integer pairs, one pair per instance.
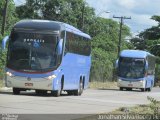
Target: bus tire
{"points": [[16, 91], [121, 88], [143, 89], [56, 93], [79, 91], [62, 83], [150, 89]]}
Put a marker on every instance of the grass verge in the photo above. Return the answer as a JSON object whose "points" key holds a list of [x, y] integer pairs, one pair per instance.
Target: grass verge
{"points": [[149, 109], [103, 85], [1, 83], [146, 112]]}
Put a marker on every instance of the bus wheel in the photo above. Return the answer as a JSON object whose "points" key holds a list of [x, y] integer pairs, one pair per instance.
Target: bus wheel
{"points": [[121, 88], [143, 89], [56, 93], [16, 91], [80, 89], [149, 89]]}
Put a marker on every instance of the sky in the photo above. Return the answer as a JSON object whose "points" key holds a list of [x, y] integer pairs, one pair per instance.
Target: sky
{"points": [[140, 11], [19, 2]]}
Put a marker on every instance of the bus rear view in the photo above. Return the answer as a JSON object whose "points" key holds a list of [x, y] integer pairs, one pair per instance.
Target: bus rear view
{"points": [[136, 70]]}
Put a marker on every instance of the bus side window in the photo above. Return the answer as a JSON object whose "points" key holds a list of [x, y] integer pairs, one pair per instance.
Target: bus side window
{"points": [[64, 40], [151, 66], [68, 37]]}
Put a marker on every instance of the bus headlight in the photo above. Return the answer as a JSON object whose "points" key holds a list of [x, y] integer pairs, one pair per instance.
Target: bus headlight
{"points": [[51, 77], [119, 80], [141, 81], [9, 74]]}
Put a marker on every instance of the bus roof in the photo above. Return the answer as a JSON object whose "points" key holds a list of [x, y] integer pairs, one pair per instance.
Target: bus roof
{"points": [[135, 53], [48, 25]]}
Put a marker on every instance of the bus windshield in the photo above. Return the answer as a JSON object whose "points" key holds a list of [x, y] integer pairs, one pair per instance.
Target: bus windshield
{"points": [[131, 68], [32, 52]]}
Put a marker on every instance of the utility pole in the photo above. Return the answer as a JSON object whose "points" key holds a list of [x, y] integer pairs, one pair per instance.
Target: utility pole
{"points": [[82, 20], [120, 32], [4, 17]]}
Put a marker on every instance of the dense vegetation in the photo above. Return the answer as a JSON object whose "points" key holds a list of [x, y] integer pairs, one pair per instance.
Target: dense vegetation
{"points": [[104, 32], [10, 21], [149, 40]]}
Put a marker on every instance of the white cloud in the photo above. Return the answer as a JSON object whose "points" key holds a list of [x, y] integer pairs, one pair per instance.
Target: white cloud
{"points": [[139, 10], [128, 4], [99, 6], [144, 19], [19, 2], [140, 22]]}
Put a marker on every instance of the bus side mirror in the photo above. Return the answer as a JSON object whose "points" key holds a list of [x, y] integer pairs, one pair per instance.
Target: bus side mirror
{"points": [[146, 66], [116, 64], [59, 47], [4, 42], [146, 69], [115, 70]]}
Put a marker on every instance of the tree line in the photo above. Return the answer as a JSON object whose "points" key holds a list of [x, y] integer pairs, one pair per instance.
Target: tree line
{"points": [[149, 40]]}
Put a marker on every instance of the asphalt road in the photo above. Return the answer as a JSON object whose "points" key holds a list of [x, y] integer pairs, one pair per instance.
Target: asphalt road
{"points": [[91, 102]]}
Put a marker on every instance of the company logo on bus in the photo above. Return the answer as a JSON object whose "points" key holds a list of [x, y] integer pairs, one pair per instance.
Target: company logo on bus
{"points": [[29, 79], [34, 40]]}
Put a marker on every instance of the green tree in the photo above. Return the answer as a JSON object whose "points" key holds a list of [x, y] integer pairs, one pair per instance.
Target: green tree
{"points": [[31, 10], [105, 33], [138, 43], [11, 15], [149, 38], [11, 19], [152, 33], [69, 11]]}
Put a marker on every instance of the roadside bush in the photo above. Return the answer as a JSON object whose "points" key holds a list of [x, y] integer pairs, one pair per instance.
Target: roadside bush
{"points": [[153, 105], [2, 63]]}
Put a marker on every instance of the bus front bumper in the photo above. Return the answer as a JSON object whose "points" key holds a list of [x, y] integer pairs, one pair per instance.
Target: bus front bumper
{"points": [[28, 83], [131, 84]]}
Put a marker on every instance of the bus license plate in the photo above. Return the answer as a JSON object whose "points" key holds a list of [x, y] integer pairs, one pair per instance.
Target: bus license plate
{"points": [[29, 84], [130, 85]]}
